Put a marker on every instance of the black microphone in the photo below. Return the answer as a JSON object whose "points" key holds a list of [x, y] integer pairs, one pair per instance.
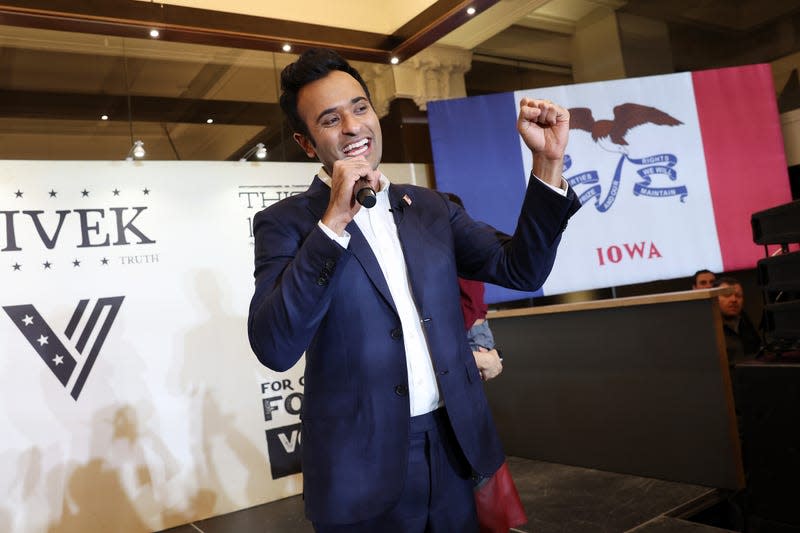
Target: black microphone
{"points": [[366, 195]]}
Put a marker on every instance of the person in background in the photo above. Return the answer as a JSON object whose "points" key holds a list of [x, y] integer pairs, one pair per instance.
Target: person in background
{"points": [[703, 279], [741, 337], [479, 334], [742, 342]]}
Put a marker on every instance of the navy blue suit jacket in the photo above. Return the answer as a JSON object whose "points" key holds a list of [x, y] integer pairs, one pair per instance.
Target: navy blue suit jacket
{"points": [[334, 304]]}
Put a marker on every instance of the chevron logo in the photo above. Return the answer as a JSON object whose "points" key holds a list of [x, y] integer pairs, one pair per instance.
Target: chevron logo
{"points": [[86, 338]]}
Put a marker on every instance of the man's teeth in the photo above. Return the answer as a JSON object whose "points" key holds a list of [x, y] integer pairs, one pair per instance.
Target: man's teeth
{"points": [[355, 146]]}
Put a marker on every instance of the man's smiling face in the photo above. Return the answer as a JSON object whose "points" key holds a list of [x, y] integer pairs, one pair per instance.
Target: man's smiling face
{"points": [[340, 120]]}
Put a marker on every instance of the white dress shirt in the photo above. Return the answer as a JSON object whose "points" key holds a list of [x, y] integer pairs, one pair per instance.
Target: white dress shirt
{"points": [[377, 225]]}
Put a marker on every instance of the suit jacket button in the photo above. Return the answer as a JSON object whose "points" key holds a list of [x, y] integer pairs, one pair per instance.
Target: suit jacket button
{"points": [[329, 264], [401, 390], [396, 333], [322, 281]]}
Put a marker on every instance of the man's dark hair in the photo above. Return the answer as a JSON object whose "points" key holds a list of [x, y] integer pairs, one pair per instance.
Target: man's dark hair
{"points": [[727, 280], [312, 65], [703, 271]]}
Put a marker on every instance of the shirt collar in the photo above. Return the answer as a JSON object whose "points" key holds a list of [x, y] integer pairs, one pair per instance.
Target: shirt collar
{"points": [[326, 179]]}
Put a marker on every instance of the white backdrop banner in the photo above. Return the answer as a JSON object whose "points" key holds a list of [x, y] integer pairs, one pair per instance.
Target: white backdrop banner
{"points": [[131, 400]]}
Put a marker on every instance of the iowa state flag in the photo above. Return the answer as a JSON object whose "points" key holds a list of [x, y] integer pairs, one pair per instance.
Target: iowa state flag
{"points": [[668, 168]]}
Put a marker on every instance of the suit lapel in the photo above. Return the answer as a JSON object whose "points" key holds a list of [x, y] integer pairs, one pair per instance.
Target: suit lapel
{"points": [[397, 204], [362, 251], [409, 233]]}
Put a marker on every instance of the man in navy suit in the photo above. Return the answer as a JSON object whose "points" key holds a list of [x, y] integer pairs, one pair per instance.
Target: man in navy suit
{"points": [[395, 422]]}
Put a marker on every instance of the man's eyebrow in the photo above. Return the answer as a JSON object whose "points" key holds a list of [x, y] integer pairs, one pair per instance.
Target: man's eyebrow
{"points": [[332, 109]]}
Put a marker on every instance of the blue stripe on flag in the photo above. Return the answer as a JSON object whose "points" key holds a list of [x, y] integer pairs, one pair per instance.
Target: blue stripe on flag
{"points": [[476, 154]]}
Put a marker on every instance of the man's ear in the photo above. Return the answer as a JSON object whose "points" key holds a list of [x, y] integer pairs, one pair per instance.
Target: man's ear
{"points": [[306, 144]]}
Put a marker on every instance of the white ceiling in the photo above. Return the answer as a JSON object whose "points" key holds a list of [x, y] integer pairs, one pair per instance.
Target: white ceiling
{"points": [[378, 16]]}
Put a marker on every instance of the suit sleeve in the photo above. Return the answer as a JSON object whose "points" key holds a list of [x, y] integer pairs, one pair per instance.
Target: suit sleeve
{"points": [[295, 273], [521, 261]]}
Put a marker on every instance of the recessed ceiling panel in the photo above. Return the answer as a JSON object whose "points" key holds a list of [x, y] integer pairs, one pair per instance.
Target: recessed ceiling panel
{"points": [[384, 16]]}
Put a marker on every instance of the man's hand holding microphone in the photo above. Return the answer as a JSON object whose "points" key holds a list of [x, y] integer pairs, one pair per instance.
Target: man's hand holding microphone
{"points": [[353, 184]]}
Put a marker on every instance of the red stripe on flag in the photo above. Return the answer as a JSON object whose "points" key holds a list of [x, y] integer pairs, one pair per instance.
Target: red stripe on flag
{"points": [[744, 154]]}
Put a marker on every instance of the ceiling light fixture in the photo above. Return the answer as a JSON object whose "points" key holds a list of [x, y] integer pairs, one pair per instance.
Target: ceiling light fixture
{"points": [[287, 47], [136, 151], [154, 33], [259, 150], [209, 121], [395, 60], [471, 11], [103, 117]]}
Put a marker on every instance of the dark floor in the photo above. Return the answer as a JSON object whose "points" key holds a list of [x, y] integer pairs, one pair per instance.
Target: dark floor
{"points": [[282, 516], [557, 499]]}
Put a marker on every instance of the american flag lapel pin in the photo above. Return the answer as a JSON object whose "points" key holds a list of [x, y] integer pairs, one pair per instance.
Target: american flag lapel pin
{"points": [[406, 199]]}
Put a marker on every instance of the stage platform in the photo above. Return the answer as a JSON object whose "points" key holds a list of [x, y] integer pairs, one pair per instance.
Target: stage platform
{"points": [[557, 498]]}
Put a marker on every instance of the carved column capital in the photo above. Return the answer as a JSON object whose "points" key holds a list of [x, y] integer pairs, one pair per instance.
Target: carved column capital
{"points": [[435, 73]]}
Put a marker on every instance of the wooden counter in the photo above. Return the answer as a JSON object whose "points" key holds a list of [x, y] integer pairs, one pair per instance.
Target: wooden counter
{"points": [[632, 385]]}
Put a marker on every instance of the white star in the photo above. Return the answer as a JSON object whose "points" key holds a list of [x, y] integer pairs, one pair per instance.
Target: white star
{"points": [[58, 360], [28, 320], [42, 340]]}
